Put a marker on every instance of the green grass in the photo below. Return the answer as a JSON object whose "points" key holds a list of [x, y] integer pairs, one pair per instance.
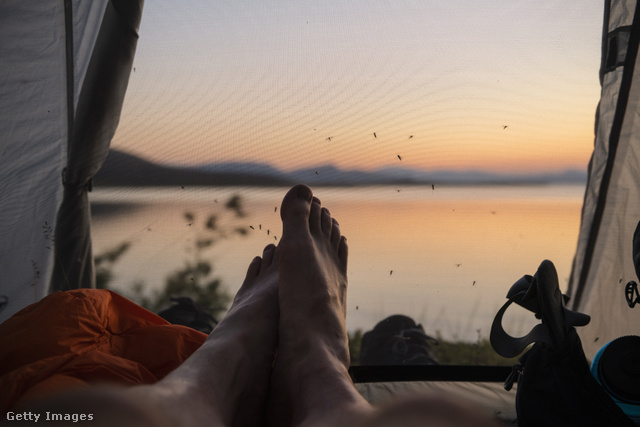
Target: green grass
{"points": [[449, 352], [465, 353]]}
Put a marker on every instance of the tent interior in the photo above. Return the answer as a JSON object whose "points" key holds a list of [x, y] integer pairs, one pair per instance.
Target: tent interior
{"points": [[454, 141]]}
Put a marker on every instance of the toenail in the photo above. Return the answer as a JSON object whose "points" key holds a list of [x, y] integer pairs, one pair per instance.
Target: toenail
{"points": [[304, 192]]}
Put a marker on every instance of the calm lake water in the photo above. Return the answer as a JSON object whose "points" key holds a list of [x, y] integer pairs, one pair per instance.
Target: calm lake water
{"points": [[445, 256]]}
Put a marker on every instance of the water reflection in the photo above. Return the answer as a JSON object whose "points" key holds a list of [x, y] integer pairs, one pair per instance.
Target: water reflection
{"points": [[444, 257]]}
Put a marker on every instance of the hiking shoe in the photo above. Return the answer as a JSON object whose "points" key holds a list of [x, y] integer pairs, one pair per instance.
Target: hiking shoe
{"points": [[397, 340]]}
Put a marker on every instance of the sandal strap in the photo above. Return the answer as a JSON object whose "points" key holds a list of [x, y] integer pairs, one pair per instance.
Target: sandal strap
{"points": [[541, 295]]}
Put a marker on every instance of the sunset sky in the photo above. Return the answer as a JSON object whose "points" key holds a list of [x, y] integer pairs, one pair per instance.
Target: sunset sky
{"points": [[306, 83]]}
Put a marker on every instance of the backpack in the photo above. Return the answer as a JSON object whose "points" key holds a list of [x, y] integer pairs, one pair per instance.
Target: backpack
{"points": [[555, 386]]}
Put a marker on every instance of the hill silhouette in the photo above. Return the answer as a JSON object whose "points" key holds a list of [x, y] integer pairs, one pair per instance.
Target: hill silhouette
{"points": [[123, 169]]}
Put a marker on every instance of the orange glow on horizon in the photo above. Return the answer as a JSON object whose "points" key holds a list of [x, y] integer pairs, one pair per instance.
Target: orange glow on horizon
{"points": [[296, 96], [185, 141]]}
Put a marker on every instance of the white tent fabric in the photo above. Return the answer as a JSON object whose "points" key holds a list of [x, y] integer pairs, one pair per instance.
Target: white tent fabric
{"points": [[48, 49], [603, 263], [34, 125]]}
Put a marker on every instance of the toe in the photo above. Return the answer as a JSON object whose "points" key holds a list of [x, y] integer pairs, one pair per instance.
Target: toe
{"points": [[254, 267], [315, 216], [343, 253], [326, 221], [295, 210], [335, 234], [267, 257]]}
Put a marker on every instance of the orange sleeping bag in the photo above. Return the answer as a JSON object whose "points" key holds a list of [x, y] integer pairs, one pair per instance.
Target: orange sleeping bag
{"points": [[79, 337]]}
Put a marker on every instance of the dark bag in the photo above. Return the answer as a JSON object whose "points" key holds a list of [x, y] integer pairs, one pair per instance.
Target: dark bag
{"points": [[186, 312], [555, 386]]}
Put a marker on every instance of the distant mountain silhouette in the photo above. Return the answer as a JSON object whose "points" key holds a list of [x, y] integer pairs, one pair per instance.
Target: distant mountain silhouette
{"points": [[122, 169]]}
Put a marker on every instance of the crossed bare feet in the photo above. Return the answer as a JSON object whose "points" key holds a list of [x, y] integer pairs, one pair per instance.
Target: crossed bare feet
{"points": [[293, 299]]}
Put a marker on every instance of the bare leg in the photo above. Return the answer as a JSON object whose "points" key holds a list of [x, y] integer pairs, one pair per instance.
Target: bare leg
{"points": [[313, 358], [232, 367], [223, 383]]}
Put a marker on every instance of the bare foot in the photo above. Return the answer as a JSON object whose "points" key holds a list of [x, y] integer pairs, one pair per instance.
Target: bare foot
{"points": [[313, 357], [223, 383], [255, 308], [229, 374]]}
